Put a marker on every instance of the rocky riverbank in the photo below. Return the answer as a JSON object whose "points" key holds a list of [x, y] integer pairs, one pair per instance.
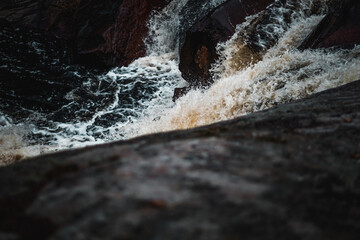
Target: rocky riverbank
{"points": [[96, 33]]}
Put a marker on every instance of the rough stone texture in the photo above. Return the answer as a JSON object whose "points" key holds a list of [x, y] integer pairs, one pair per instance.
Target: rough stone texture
{"points": [[291, 172], [199, 50], [340, 28], [95, 32]]}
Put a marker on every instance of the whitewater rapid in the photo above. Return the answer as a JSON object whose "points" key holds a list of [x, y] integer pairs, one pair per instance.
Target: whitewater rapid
{"points": [[139, 97], [245, 84]]}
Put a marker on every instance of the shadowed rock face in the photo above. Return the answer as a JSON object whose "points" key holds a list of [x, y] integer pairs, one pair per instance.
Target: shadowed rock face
{"points": [[125, 39], [95, 32], [192, 12], [291, 172], [340, 28]]}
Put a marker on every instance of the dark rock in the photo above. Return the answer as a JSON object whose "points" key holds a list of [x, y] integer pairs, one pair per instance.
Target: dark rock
{"points": [[340, 28], [77, 24], [179, 92], [261, 33], [125, 39], [290, 172], [192, 12], [199, 50], [96, 32]]}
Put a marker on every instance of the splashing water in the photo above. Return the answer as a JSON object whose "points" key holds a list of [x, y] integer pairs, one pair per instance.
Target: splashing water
{"points": [[283, 75], [13, 145], [135, 100], [278, 18], [131, 100], [164, 27], [100, 108]]}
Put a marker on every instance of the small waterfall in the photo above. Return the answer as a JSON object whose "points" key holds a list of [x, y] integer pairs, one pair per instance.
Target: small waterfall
{"points": [[237, 52], [135, 100], [164, 26], [164, 29], [281, 75]]}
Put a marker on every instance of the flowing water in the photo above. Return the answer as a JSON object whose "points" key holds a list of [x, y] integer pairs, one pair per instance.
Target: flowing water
{"points": [[131, 101]]}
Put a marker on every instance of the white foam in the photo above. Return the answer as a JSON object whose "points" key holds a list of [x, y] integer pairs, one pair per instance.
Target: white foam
{"points": [[14, 146], [164, 27], [283, 75], [156, 72]]}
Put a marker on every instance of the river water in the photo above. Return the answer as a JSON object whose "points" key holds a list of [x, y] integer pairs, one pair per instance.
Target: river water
{"points": [[135, 100]]}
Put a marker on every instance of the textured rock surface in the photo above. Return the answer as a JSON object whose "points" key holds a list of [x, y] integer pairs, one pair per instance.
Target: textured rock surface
{"points": [[95, 32], [340, 27], [291, 172]]}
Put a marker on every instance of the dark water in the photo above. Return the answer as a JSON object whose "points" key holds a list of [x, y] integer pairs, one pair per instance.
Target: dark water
{"points": [[69, 105]]}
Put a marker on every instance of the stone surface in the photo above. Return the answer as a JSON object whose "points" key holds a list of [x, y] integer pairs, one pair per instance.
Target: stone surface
{"points": [[340, 28], [95, 32], [290, 172]]}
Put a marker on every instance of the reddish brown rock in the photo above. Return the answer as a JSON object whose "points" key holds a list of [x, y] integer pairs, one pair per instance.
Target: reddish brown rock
{"points": [[199, 49], [95, 32], [125, 39], [340, 28]]}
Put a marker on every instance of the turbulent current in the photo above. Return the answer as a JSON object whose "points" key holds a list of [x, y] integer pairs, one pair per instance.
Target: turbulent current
{"points": [[135, 100]]}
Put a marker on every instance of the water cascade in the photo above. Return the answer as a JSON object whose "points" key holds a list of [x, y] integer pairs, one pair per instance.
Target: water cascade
{"points": [[135, 100]]}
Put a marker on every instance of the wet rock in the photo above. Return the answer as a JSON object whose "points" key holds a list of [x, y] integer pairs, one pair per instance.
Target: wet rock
{"points": [[340, 28], [94, 32], [125, 39], [269, 21], [199, 50], [290, 172], [179, 92], [192, 12]]}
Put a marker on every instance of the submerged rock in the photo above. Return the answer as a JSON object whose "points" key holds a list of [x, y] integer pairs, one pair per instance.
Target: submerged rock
{"points": [[124, 40], [290, 172], [94, 32], [340, 28], [267, 22], [192, 12], [199, 50]]}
